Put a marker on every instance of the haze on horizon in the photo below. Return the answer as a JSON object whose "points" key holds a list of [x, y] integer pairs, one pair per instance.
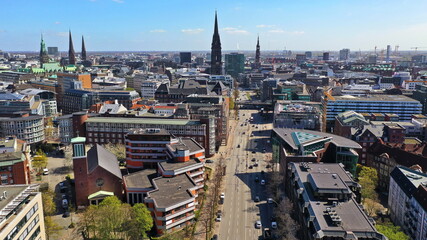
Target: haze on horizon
{"points": [[173, 25]]}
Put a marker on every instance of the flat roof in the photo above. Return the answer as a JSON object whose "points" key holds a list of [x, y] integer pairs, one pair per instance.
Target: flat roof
{"points": [[140, 179], [376, 98], [326, 181], [186, 144], [287, 135], [171, 191], [173, 166], [158, 121], [149, 131], [12, 192]]}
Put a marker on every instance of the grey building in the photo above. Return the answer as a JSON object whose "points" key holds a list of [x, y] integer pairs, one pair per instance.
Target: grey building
{"points": [[324, 195], [267, 88], [293, 114]]}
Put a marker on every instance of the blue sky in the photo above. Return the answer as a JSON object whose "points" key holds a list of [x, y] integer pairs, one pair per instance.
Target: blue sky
{"points": [[142, 25]]}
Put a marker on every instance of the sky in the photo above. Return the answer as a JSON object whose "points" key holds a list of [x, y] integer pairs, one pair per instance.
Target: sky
{"points": [[187, 25]]}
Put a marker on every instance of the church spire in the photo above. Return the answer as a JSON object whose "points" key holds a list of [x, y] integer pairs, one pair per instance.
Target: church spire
{"points": [[216, 56], [257, 55], [44, 58], [83, 49], [71, 54]]}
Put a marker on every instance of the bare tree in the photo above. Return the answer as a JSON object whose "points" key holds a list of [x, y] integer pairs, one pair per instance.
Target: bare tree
{"points": [[287, 227]]}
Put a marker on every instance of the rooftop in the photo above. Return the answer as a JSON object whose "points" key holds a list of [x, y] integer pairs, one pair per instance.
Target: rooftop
{"points": [[149, 131], [174, 166], [140, 179], [171, 191], [377, 98], [154, 121], [186, 144]]}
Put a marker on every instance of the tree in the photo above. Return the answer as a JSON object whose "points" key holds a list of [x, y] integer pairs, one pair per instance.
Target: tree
{"points": [[287, 226], [112, 218], [140, 221], [87, 223], [49, 206], [51, 227], [40, 160], [368, 179], [118, 149], [372, 207], [391, 232]]}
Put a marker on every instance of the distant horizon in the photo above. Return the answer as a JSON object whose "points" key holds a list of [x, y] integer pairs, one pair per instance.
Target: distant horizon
{"points": [[174, 24]]}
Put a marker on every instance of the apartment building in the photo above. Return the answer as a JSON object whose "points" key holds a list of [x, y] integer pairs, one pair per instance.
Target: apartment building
{"points": [[14, 161], [401, 105], [113, 129], [324, 195], [15, 77], [407, 201], [27, 128], [21, 214]]}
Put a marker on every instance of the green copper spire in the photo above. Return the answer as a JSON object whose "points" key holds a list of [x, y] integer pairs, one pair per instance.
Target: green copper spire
{"points": [[44, 58]]}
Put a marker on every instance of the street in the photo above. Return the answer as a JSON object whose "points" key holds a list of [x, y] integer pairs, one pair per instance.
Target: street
{"points": [[240, 211]]}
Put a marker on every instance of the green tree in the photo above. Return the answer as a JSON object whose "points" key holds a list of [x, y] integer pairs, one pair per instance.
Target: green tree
{"points": [[49, 206], [368, 179], [140, 221], [119, 150], [87, 223], [40, 160], [391, 232], [51, 227]]}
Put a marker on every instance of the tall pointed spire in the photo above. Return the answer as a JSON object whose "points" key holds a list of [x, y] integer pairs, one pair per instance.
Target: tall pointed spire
{"points": [[83, 49], [71, 53], [216, 56], [257, 55], [44, 58]]}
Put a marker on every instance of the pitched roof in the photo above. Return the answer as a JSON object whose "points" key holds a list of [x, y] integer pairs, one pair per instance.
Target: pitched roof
{"points": [[98, 156], [408, 179]]}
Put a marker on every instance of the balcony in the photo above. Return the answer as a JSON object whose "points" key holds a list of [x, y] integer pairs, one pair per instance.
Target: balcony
{"points": [[180, 221], [182, 211]]}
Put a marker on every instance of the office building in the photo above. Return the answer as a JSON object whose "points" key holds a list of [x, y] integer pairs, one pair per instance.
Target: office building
{"points": [[185, 57], [16, 77], [420, 94], [298, 145], [15, 161], [344, 54], [325, 56], [401, 105], [52, 51], [297, 115], [326, 198], [407, 201], [21, 213], [234, 64], [27, 128]]}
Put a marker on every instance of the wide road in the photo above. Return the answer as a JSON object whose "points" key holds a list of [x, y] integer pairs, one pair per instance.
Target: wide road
{"points": [[240, 211]]}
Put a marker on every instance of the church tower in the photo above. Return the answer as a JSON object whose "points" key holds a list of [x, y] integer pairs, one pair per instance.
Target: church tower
{"points": [[257, 55], [216, 58], [44, 58], [71, 54], [83, 49]]}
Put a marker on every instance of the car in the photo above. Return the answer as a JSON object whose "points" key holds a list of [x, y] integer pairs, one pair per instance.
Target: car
{"points": [[252, 135], [66, 214], [253, 152], [256, 199], [262, 172], [274, 225], [250, 167], [243, 133], [253, 125], [241, 125], [258, 224], [209, 161], [45, 171], [238, 146], [253, 160], [256, 127], [256, 164], [218, 218], [222, 197], [263, 151], [262, 182], [214, 237], [243, 114], [268, 166], [64, 196]]}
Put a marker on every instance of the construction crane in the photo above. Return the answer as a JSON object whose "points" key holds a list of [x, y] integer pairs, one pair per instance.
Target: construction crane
{"points": [[416, 48]]}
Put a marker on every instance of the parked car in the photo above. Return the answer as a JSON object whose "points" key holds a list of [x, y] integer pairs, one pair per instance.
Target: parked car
{"points": [[256, 179], [256, 199], [256, 164], [274, 225], [258, 224], [250, 167], [253, 152], [262, 182], [238, 146], [253, 159], [215, 237], [64, 203], [209, 161], [45, 171]]}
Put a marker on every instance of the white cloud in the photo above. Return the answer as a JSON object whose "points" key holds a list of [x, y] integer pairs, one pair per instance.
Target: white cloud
{"points": [[293, 33], [57, 22], [193, 31], [265, 26], [158, 31], [231, 30], [118, 1]]}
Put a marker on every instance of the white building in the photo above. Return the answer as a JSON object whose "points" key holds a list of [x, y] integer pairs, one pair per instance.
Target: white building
{"points": [[406, 201]]}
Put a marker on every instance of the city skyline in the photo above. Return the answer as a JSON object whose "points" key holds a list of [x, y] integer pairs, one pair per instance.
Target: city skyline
{"points": [[124, 25]]}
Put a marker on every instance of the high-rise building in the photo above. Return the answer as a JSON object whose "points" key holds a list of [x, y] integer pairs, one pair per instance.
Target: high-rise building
{"points": [[388, 54], [325, 56], [216, 56], [83, 50], [44, 58], [344, 54], [234, 64], [71, 54], [308, 55], [257, 55], [52, 50], [185, 57]]}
